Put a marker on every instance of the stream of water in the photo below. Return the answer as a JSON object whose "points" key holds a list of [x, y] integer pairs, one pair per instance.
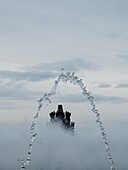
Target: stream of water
{"points": [[68, 77]]}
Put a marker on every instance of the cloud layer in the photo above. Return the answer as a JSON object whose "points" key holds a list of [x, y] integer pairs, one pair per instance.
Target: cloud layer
{"points": [[112, 84], [79, 98], [41, 72], [123, 56], [74, 65], [122, 85], [26, 75]]}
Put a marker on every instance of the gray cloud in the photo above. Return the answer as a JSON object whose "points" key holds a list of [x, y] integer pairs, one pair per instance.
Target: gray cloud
{"points": [[122, 85], [69, 65], [27, 75], [47, 71], [114, 35], [104, 85], [16, 92], [19, 92], [110, 99], [123, 56], [111, 84], [79, 98], [118, 35]]}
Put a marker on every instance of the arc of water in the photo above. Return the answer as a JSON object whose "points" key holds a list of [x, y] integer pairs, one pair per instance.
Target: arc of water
{"points": [[68, 76]]}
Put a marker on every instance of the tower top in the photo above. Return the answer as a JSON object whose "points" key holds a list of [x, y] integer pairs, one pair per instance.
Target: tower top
{"points": [[62, 118], [60, 108]]}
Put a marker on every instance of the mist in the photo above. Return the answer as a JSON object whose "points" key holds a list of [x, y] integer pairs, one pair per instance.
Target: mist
{"points": [[54, 148]]}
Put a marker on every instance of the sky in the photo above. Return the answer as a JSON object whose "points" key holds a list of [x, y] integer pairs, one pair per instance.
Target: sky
{"points": [[39, 38]]}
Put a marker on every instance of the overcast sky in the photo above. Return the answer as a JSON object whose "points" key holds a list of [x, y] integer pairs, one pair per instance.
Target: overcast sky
{"points": [[38, 38]]}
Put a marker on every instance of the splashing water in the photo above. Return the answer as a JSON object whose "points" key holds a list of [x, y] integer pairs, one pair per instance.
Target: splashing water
{"points": [[65, 77]]}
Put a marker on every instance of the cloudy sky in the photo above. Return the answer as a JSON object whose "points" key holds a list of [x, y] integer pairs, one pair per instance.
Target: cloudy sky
{"points": [[88, 37]]}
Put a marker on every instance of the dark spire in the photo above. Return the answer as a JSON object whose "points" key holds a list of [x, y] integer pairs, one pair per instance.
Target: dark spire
{"points": [[60, 112], [60, 108], [62, 117]]}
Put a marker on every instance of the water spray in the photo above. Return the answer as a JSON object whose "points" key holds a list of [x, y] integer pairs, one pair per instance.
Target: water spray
{"points": [[68, 77]]}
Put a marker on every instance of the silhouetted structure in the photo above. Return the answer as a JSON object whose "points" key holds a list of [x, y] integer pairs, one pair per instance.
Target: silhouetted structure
{"points": [[62, 117]]}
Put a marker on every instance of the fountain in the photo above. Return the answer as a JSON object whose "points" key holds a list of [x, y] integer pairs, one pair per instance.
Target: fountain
{"points": [[67, 77], [62, 118]]}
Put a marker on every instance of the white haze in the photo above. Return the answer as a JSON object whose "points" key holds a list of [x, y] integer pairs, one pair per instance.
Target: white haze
{"points": [[55, 148]]}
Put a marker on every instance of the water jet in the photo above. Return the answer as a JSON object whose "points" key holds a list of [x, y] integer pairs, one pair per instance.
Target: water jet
{"points": [[67, 77]]}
